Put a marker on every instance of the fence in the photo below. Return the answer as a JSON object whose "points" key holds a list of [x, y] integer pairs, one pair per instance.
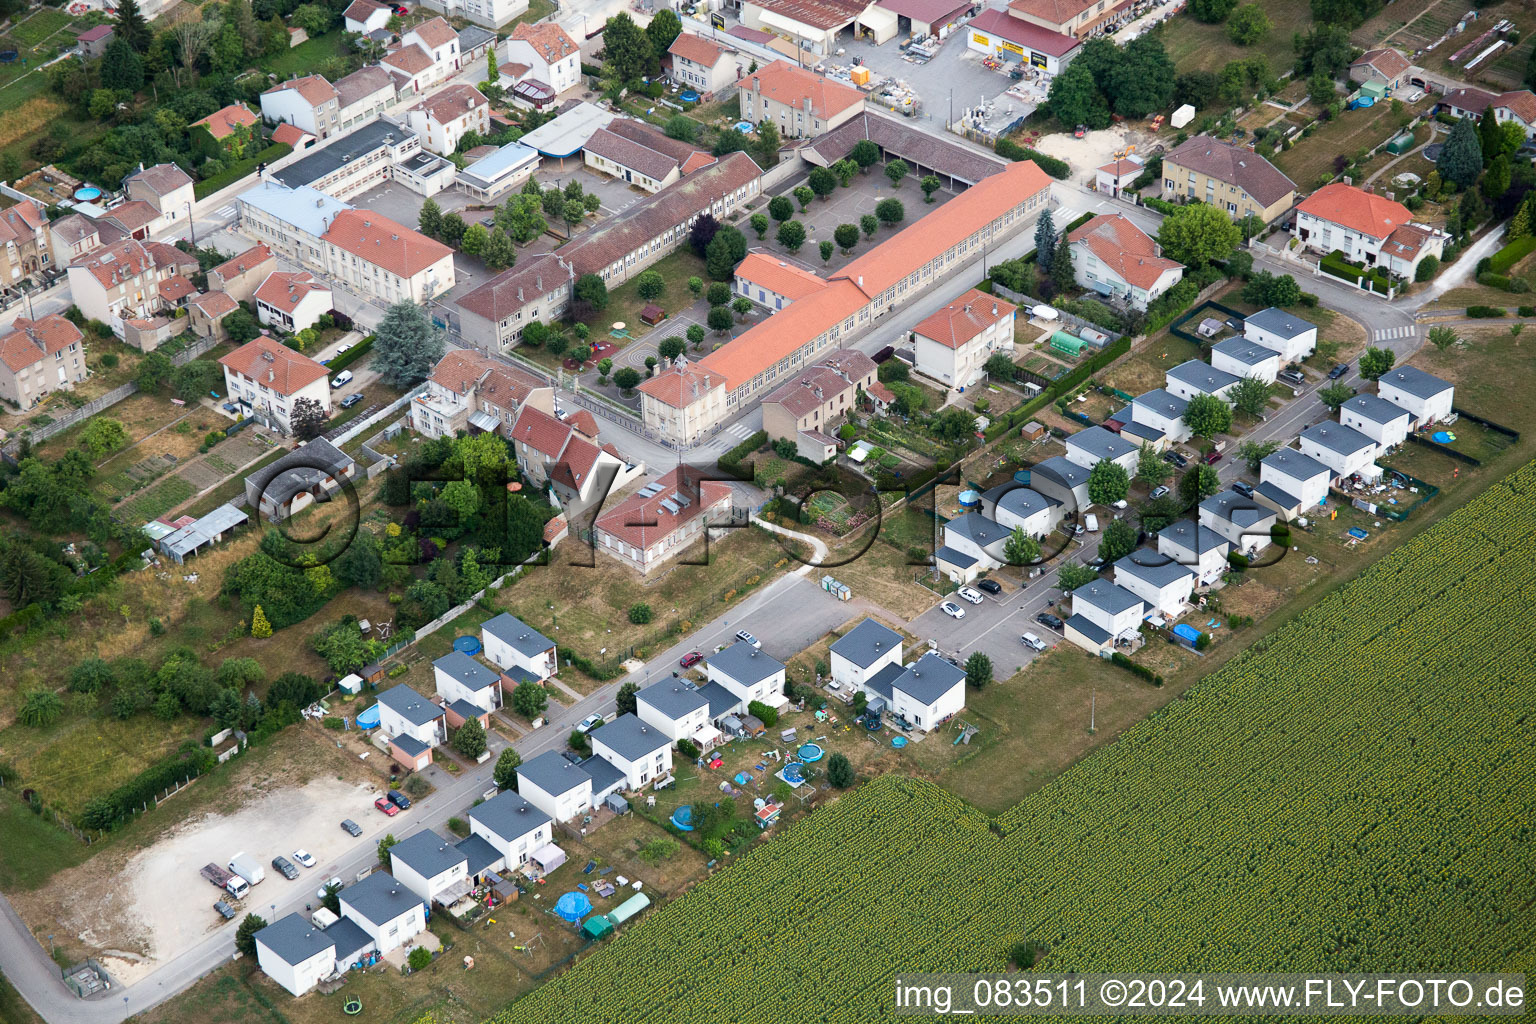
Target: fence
{"points": [[362, 423], [1071, 320], [1445, 449], [1497, 428], [1177, 327]]}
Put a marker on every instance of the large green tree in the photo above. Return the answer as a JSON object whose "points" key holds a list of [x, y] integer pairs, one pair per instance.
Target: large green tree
{"points": [[627, 52], [406, 345], [1108, 482], [1143, 79], [1249, 396], [1045, 239], [1118, 541], [121, 67], [131, 25], [1461, 158], [505, 773], [664, 28], [1197, 234], [245, 934], [1248, 24], [1206, 416], [1074, 98], [1150, 467]]}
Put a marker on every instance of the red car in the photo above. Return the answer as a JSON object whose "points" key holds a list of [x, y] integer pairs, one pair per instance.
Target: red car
{"points": [[400, 9], [383, 804], [691, 659], [1211, 458]]}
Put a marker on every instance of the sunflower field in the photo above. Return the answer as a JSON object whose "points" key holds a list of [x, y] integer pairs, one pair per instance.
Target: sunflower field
{"points": [[1356, 793]]}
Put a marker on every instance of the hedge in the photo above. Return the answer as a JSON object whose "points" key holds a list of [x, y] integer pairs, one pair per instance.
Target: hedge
{"points": [[1061, 386], [1335, 264], [1010, 150], [110, 810], [1136, 668], [234, 172], [350, 356], [1501, 261], [732, 459], [1160, 205], [1485, 312]]}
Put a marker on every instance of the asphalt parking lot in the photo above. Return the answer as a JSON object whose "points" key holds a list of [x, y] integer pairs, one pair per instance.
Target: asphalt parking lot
{"points": [[954, 70]]}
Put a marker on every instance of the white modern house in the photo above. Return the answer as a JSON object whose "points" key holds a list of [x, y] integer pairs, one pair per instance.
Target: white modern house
{"points": [[1013, 506], [1294, 338], [386, 909], [298, 954], [1368, 228], [1242, 522], [551, 55], [926, 693], [1382, 421], [555, 786], [642, 752], [1427, 398], [1103, 615], [703, 64], [953, 345], [1093, 445], [1192, 377], [1162, 582], [1291, 483], [973, 544], [1200, 549], [520, 651], [678, 710], [863, 652], [468, 688], [749, 673], [412, 724], [512, 824], [1114, 257], [267, 380], [1344, 450], [1244, 358], [1062, 480], [1158, 418], [430, 866]]}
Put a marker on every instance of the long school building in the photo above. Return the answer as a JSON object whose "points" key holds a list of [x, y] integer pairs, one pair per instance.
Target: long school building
{"points": [[686, 401]]}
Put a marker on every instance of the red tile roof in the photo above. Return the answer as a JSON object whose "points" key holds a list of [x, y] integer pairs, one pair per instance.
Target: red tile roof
{"points": [[222, 123], [315, 89], [90, 35], [880, 393], [583, 422], [378, 240], [1057, 12], [963, 319], [411, 60], [778, 276], [786, 83], [1233, 165], [677, 386], [1125, 249], [434, 32], [26, 342], [541, 432], [1405, 241], [697, 49], [450, 104], [362, 10], [133, 215], [575, 466], [252, 258], [215, 304], [289, 135], [509, 291], [162, 179], [816, 13], [284, 290], [285, 372], [1385, 60], [175, 288], [642, 522], [1120, 168], [812, 388], [22, 222], [548, 40], [628, 153], [1521, 103], [112, 264], [1356, 209]]}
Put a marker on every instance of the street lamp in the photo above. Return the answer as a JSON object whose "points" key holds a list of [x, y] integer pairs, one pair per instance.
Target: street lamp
{"points": [[191, 225]]}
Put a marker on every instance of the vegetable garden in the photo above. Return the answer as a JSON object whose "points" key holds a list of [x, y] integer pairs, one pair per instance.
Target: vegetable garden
{"points": [[1352, 794]]}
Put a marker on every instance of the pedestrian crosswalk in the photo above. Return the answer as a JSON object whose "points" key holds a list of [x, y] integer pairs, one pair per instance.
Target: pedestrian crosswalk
{"points": [[738, 430], [226, 212], [1389, 333]]}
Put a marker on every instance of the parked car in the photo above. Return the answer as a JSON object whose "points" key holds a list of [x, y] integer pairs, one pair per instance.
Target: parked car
{"points": [[351, 827], [304, 857], [967, 594], [1294, 377], [285, 866], [990, 586], [383, 804], [1174, 457], [953, 610], [1032, 641], [1211, 458], [341, 380], [589, 723], [1121, 505], [226, 911], [320, 892], [401, 10], [399, 799], [352, 399], [1338, 371], [341, 348], [1245, 489], [748, 638], [1157, 492], [691, 659], [1049, 621]]}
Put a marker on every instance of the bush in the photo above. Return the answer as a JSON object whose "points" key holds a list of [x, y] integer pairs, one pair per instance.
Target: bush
{"points": [[1489, 279], [337, 363], [420, 958], [234, 172], [1136, 668], [640, 614], [1485, 312], [1010, 150], [688, 749], [1528, 310], [732, 459], [1237, 560], [763, 713]]}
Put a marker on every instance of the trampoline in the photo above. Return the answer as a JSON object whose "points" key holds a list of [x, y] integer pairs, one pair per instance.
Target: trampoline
{"points": [[793, 774], [898, 742], [352, 1007], [810, 753], [8, 56], [467, 644], [368, 719], [87, 194], [682, 818]]}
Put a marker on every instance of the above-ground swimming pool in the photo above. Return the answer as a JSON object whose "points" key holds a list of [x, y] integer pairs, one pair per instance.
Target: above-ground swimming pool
{"points": [[689, 96], [745, 127], [368, 719], [467, 644], [792, 774], [87, 194], [898, 742], [810, 752], [683, 818]]}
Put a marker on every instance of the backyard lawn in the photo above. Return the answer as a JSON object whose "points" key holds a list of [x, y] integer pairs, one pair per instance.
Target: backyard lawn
{"points": [[1196, 46], [1313, 158]]}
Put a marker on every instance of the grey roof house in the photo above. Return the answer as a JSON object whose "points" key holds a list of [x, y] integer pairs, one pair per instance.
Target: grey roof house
{"points": [[866, 643]]}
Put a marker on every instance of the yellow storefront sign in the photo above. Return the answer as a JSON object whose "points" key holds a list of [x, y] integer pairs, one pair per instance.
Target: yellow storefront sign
{"points": [[1011, 47], [979, 39]]}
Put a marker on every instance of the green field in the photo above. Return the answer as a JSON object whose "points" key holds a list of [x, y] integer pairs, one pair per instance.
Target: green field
{"points": [[1352, 794]]}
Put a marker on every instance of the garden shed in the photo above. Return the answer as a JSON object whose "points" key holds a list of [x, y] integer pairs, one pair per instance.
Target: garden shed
{"points": [[1061, 341], [597, 927], [1400, 145]]}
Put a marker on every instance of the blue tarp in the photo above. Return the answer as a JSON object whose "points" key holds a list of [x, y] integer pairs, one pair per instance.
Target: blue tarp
{"points": [[573, 906], [1186, 632]]}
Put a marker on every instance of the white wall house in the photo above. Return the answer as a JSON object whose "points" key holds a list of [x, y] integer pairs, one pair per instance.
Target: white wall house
{"points": [[292, 300], [461, 678], [1162, 413], [859, 654], [1242, 522], [1291, 483], [953, 345], [428, 865], [512, 824], [386, 909], [1192, 377], [551, 54], [1294, 338], [1012, 505], [1200, 549], [1376, 418], [364, 16], [413, 725], [639, 750], [1244, 358], [1366, 227], [555, 786], [703, 64], [749, 673], [926, 693], [677, 710], [1090, 446], [1114, 257], [1343, 450], [1427, 398], [268, 379], [973, 544], [1162, 582], [521, 651], [298, 955], [1062, 480], [1102, 615]]}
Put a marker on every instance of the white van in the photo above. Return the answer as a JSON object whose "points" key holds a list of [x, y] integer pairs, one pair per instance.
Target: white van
{"points": [[341, 380], [1092, 521]]}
